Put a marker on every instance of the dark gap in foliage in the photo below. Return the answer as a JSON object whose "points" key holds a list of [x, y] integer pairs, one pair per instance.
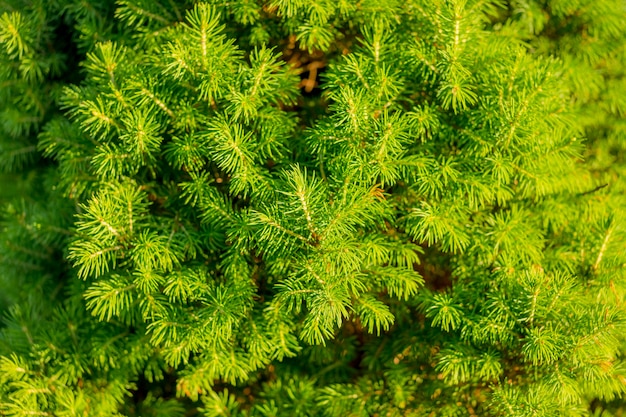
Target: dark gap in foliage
{"points": [[437, 276], [64, 41]]}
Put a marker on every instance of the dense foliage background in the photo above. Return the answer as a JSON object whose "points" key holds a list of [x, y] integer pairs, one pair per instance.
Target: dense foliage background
{"points": [[312, 207]]}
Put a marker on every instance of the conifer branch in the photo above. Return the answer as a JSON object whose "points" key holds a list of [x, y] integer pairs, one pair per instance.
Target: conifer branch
{"points": [[332, 208], [605, 242]]}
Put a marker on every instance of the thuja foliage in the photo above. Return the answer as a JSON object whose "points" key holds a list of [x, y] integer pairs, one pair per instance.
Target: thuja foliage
{"points": [[313, 208]]}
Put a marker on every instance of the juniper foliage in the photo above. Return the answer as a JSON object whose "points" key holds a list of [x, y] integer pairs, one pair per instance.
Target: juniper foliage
{"points": [[324, 208]]}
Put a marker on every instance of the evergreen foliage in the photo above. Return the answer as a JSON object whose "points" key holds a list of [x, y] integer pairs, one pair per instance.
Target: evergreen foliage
{"points": [[313, 208]]}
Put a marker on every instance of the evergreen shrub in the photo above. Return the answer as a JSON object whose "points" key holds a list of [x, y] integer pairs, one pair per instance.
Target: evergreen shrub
{"points": [[312, 208]]}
